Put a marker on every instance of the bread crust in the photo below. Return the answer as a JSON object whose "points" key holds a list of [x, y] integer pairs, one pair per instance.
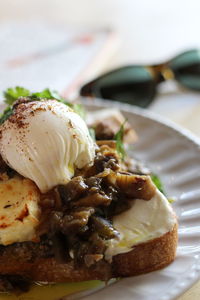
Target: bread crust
{"points": [[147, 257], [49, 270]]}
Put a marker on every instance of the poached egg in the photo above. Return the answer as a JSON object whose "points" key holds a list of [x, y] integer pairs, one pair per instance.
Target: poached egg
{"points": [[45, 141]]}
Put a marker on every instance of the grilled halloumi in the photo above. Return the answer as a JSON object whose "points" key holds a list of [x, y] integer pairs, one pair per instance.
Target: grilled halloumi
{"points": [[19, 210]]}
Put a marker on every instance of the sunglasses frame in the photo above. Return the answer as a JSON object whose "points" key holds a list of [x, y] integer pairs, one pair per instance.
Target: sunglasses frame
{"points": [[160, 73]]}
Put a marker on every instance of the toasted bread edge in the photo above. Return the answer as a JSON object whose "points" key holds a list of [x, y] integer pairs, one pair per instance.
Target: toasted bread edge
{"points": [[147, 257]]}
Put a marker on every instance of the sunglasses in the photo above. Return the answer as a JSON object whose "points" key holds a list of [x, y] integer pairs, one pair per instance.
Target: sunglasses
{"points": [[137, 84]]}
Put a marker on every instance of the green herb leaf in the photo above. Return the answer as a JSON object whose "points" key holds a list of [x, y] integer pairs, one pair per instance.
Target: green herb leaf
{"points": [[79, 109], [47, 94], [119, 141], [171, 200], [12, 94], [92, 133], [156, 180], [6, 114]]}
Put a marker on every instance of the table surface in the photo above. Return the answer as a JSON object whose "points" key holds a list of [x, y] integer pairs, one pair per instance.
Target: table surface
{"points": [[148, 31]]}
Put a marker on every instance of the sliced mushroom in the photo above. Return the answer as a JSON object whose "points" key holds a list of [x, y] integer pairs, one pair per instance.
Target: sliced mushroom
{"points": [[93, 200], [103, 227], [109, 143], [73, 189], [107, 122], [71, 223], [133, 186]]}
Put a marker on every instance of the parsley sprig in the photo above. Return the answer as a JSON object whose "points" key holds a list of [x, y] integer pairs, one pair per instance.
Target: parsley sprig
{"points": [[12, 94], [6, 114], [158, 183], [92, 133], [119, 141]]}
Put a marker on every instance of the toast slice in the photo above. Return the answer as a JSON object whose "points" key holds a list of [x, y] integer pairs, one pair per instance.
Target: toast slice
{"points": [[145, 257]]}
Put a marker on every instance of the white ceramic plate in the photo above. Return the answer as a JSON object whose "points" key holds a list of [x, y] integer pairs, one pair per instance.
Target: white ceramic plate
{"points": [[174, 155]]}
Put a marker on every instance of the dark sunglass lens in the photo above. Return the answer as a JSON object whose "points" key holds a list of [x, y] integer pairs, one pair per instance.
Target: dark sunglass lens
{"points": [[186, 68], [134, 85]]}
